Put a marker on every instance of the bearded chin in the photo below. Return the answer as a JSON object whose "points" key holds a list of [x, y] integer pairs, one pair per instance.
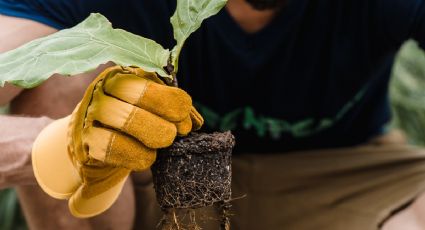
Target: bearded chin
{"points": [[266, 4]]}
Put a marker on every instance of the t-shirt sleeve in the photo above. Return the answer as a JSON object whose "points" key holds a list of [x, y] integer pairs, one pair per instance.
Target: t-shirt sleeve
{"points": [[62, 14], [148, 18], [59, 14], [399, 20]]}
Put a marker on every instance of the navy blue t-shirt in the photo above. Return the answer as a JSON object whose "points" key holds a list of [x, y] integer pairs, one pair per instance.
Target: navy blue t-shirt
{"points": [[315, 77]]}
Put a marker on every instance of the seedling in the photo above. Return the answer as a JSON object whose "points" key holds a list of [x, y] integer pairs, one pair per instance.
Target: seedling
{"points": [[195, 171]]}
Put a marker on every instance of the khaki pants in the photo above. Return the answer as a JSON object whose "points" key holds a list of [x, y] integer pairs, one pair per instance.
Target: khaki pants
{"points": [[354, 188]]}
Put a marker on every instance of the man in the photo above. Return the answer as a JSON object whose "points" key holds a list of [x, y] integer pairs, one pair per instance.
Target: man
{"points": [[290, 78]]}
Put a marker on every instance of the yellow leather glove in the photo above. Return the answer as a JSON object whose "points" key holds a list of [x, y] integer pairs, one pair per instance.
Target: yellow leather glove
{"points": [[125, 115]]}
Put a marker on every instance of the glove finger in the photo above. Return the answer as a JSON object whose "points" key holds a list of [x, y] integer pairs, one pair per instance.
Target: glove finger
{"points": [[197, 119], [117, 149], [151, 130], [170, 103], [191, 123], [184, 127]]}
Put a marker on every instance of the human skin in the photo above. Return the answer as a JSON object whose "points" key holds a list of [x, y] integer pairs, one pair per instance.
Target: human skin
{"points": [[56, 98], [14, 158]]}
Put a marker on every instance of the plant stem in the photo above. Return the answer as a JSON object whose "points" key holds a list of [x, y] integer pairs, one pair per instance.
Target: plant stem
{"points": [[170, 70]]}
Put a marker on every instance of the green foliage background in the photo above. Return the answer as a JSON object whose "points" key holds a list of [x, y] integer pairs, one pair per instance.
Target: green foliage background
{"points": [[407, 91], [10, 212]]}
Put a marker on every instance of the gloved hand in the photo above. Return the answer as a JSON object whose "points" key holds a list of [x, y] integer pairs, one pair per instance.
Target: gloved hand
{"points": [[124, 116]]}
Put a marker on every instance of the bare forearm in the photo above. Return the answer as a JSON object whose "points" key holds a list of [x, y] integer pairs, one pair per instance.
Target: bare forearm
{"points": [[15, 32], [16, 137]]}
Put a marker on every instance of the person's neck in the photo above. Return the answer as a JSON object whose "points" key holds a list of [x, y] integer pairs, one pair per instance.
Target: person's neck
{"points": [[248, 18]]}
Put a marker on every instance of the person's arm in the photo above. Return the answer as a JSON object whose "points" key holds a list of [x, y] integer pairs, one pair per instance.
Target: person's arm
{"points": [[16, 138], [7, 93], [17, 133], [15, 32]]}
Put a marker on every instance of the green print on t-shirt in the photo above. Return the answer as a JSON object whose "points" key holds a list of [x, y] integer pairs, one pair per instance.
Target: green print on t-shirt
{"points": [[247, 119]]}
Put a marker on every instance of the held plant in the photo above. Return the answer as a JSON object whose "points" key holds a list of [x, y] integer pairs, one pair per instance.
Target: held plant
{"points": [[195, 171], [93, 42]]}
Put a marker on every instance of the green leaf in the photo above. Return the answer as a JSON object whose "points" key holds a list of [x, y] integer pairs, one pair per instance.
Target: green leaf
{"points": [[230, 120], [211, 118], [8, 205], [188, 18], [407, 92], [80, 49]]}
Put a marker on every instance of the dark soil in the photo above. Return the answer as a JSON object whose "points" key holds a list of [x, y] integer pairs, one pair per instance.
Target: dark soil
{"points": [[194, 172]]}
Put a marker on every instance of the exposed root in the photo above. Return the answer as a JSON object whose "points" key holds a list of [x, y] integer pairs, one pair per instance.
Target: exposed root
{"points": [[169, 221], [225, 215], [191, 219], [172, 221], [194, 172]]}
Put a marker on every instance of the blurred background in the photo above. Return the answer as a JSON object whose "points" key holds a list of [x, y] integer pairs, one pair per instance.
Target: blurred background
{"points": [[407, 93], [11, 217]]}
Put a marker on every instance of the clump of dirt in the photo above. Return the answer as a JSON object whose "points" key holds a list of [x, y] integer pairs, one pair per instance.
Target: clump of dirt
{"points": [[194, 172]]}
